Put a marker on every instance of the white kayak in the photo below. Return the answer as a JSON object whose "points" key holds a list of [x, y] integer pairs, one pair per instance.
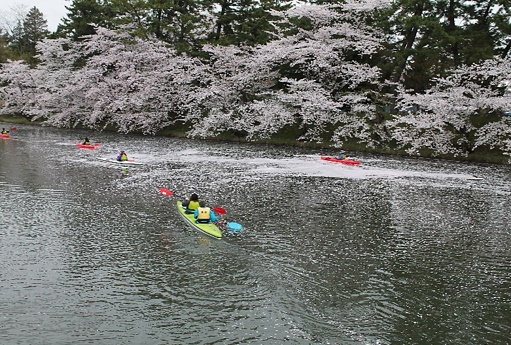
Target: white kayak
{"points": [[115, 161]]}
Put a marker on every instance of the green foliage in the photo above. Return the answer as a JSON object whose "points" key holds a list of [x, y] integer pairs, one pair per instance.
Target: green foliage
{"points": [[244, 22], [21, 42], [426, 38], [5, 52], [82, 15], [179, 23]]}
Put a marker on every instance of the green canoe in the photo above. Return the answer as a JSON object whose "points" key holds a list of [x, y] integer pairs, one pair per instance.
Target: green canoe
{"points": [[209, 229]]}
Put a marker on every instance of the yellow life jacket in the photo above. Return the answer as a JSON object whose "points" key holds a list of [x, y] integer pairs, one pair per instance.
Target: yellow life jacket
{"points": [[193, 205], [204, 213], [124, 157]]}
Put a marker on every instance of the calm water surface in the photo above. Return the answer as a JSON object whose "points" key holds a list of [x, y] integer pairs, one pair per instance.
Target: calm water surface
{"points": [[396, 251]]}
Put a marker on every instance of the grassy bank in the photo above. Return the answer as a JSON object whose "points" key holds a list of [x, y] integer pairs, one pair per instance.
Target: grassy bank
{"points": [[18, 119], [287, 137]]}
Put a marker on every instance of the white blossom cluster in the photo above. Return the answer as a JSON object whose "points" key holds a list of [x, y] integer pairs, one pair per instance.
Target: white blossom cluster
{"points": [[307, 79], [442, 118]]}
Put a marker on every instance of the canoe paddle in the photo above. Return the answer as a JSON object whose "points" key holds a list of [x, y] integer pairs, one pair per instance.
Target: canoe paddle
{"points": [[233, 227], [165, 191], [219, 210]]}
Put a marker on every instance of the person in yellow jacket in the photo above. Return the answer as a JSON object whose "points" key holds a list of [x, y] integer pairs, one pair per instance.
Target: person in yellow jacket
{"points": [[204, 214], [122, 156], [4, 131], [342, 155], [191, 203]]}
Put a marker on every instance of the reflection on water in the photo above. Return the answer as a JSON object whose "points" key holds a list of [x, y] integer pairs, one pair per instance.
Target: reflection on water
{"points": [[397, 251]]}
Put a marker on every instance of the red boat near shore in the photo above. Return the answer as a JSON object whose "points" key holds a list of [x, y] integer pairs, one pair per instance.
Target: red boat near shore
{"points": [[84, 146], [347, 161]]}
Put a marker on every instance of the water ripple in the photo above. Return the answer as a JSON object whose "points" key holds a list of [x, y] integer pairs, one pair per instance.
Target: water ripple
{"points": [[329, 254]]}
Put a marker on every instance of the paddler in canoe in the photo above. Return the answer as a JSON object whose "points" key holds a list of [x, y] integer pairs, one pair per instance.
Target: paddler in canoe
{"points": [[86, 141], [122, 156], [4, 131], [191, 203], [204, 214], [342, 155]]}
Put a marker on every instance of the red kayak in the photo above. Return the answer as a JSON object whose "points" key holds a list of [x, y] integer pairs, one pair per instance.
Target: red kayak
{"points": [[4, 136], [83, 146], [348, 161]]}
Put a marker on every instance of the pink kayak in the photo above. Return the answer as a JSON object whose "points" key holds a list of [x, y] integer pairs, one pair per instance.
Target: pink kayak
{"points": [[4, 136], [343, 161]]}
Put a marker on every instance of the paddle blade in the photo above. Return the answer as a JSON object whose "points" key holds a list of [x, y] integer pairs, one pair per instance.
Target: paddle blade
{"points": [[219, 210], [13, 128], [234, 228], [165, 191]]}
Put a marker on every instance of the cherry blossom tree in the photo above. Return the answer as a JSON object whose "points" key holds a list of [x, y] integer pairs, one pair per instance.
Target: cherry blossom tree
{"points": [[308, 78], [442, 119], [126, 82], [316, 75], [18, 88], [314, 78]]}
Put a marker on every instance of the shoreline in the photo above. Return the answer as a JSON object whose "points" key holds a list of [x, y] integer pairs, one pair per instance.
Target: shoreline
{"points": [[480, 157]]}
